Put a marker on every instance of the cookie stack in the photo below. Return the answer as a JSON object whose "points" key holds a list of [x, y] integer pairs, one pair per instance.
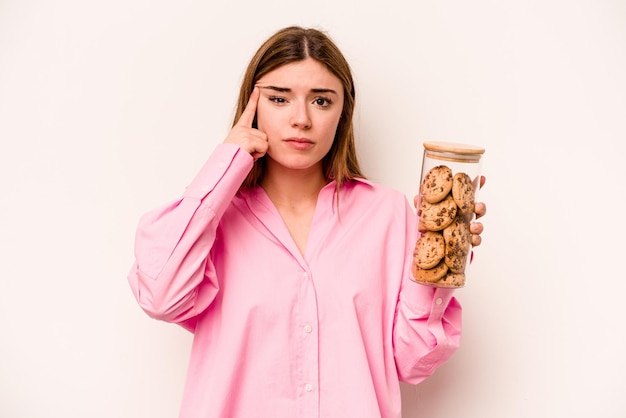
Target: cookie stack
{"points": [[445, 211]]}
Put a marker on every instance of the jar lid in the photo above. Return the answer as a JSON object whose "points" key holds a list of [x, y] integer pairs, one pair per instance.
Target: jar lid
{"points": [[453, 147]]}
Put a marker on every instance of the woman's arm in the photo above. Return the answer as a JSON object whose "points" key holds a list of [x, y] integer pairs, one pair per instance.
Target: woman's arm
{"points": [[427, 329], [173, 243], [427, 323]]}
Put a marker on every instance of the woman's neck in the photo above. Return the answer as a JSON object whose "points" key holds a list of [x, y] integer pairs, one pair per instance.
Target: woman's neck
{"points": [[293, 189]]}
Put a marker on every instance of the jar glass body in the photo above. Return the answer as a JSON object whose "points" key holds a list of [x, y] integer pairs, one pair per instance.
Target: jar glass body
{"points": [[449, 184]]}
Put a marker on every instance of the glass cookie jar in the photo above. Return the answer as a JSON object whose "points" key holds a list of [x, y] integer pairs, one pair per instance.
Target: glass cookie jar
{"points": [[449, 183]]}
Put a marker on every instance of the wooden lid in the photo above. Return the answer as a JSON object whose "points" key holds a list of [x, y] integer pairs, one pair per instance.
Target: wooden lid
{"points": [[453, 147]]}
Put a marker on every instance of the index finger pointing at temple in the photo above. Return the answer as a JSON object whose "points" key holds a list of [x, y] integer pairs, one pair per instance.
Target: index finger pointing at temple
{"points": [[247, 117]]}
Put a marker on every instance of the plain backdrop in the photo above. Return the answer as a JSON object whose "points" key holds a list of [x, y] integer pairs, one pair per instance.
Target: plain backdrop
{"points": [[108, 109]]}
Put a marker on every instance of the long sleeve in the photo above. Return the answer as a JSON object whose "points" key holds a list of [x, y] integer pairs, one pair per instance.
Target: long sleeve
{"points": [[171, 276], [427, 328]]}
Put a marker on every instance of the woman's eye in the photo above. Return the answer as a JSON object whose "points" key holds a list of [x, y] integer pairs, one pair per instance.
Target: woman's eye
{"points": [[276, 99], [322, 101]]}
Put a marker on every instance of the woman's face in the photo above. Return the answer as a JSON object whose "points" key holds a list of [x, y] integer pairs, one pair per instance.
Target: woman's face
{"points": [[299, 110]]}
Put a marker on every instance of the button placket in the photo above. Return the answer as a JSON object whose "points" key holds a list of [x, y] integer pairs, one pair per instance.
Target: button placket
{"points": [[308, 344]]}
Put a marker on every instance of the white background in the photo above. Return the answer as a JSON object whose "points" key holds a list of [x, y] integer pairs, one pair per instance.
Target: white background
{"points": [[108, 108]]}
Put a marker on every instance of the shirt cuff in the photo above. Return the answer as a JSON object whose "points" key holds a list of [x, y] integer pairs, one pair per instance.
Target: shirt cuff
{"points": [[427, 300], [223, 157]]}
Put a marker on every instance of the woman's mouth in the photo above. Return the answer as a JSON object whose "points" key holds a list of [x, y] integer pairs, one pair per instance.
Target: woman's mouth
{"points": [[299, 143]]}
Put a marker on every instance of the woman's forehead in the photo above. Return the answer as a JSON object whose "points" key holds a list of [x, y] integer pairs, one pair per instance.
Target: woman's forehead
{"points": [[307, 74]]}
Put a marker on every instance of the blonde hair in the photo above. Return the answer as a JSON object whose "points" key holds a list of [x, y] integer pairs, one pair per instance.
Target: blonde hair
{"points": [[294, 44]]}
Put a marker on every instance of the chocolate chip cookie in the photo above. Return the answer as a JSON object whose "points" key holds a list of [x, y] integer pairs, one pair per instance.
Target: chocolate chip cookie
{"points": [[436, 216], [457, 238], [430, 275], [436, 184], [429, 250], [463, 193]]}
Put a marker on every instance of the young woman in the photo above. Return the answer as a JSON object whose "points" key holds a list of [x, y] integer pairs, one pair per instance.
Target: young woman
{"points": [[291, 269]]}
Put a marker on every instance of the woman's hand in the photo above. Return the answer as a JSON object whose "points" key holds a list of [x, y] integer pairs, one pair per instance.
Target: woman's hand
{"points": [[243, 134], [480, 209]]}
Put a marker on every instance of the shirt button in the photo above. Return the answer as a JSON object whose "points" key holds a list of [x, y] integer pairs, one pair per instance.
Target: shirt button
{"points": [[308, 387], [308, 328], [439, 301], [221, 165]]}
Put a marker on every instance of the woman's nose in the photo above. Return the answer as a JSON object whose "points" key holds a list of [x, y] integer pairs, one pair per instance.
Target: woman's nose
{"points": [[300, 117]]}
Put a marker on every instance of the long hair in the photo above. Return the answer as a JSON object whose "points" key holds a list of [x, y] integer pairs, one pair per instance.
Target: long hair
{"points": [[293, 44]]}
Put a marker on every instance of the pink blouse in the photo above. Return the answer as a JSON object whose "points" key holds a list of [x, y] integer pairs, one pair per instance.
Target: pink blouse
{"points": [[278, 334]]}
